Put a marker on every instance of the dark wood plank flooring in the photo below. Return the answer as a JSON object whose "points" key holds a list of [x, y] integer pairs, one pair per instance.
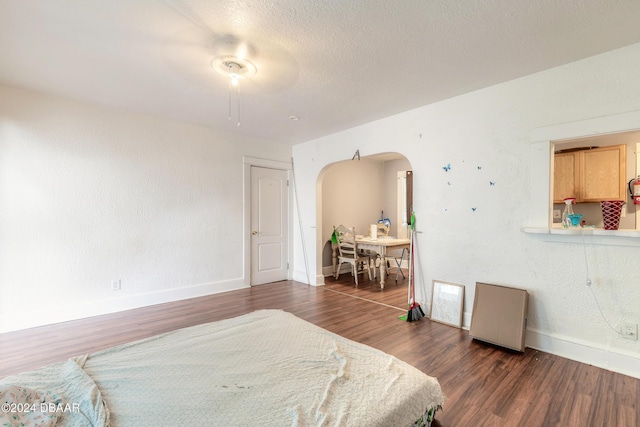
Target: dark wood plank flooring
{"points": [[485, 385]]}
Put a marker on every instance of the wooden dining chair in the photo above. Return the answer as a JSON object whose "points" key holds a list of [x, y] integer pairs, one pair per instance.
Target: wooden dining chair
{"points": [[399, 260], [383, 229], [348, 253]]}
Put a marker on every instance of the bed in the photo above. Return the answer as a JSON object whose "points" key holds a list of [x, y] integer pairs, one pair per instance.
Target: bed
{"points": [[265, 368]]}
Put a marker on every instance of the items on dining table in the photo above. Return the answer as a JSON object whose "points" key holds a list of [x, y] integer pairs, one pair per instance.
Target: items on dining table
{"points": [[383, 220]]}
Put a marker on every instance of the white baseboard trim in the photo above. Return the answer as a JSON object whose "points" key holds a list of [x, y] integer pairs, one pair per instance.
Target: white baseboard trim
{"points": [[315, 279], [327, 271], [344, 268], [611, 359], [466, 320], [113, 305]]}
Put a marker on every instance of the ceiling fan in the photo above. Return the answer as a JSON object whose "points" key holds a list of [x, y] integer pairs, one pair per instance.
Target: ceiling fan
{"points": [[210, 59]]}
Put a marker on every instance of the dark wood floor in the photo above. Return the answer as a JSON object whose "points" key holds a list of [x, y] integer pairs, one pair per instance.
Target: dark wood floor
{"points": [[485, 385]]}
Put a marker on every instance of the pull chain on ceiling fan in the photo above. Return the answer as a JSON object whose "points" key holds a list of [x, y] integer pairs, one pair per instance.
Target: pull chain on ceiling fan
{"points": [[233, 81], [235, 68]]}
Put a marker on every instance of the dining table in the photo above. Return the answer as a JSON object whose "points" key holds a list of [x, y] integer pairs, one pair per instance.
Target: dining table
{"points": [[380, 245]]}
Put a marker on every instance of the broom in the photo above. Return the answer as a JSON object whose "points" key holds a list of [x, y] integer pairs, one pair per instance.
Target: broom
{"points": [[415, 312]]}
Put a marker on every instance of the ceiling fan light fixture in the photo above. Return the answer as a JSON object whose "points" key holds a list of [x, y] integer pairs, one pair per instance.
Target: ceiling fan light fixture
{"points": [[234, 66]]}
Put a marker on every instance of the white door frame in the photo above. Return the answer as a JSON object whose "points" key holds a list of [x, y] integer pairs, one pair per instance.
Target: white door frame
{"points": [[248, 162]]}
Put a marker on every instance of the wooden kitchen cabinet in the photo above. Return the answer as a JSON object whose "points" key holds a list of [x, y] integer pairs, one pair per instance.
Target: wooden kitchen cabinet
{"points": [[603, 174], [566, 173], [591, 175]]}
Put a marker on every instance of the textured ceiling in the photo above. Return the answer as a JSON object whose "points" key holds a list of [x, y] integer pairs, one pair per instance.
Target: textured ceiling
{"points": [[333, 63]]}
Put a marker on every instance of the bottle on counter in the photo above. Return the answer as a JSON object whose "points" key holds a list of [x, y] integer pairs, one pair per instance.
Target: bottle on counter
{"points": [[568, 210]]}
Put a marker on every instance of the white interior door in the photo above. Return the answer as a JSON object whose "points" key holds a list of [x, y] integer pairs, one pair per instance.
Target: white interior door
{"points": [[269, 225]]}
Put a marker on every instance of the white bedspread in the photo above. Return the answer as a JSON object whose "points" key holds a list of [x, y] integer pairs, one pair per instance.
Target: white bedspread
{"points": [[266, 368], [78, 401]]}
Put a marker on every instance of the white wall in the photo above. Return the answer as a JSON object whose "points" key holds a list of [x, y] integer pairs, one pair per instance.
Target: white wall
{"points": [[472, 228], [352, 195], [89, 195]]}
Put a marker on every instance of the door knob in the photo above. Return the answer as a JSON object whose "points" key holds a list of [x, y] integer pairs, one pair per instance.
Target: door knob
{"points": [[254, 232]]}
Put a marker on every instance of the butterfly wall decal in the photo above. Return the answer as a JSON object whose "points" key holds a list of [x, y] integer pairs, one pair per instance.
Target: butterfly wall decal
{"points": [[447, 168]]}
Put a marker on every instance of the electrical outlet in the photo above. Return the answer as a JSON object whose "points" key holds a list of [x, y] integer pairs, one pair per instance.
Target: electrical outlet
{"points": [[115, 285], [630, 331]]}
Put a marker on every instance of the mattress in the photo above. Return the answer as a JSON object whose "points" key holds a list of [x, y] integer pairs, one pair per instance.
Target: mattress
{"points": [[265, 368]]}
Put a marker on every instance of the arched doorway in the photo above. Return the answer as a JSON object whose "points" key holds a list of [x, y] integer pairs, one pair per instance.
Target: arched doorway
{"points": [[358, 193]]}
